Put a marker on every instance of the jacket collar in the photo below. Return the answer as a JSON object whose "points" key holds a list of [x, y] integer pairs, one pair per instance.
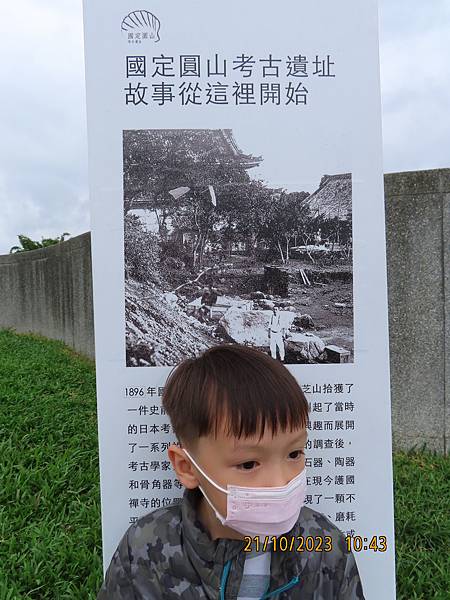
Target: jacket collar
{"points": [[220, 550]]}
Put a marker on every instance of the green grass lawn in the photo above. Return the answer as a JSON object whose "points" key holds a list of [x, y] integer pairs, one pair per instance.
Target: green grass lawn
{"points": [[50, 536]]}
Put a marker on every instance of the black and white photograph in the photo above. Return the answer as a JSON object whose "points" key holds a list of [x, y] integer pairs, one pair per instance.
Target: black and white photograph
{"points": [[217, 254]]}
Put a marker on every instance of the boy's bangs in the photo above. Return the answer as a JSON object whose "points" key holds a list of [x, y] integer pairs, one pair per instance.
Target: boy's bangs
{"points": [[235, 390], [247, 404]]}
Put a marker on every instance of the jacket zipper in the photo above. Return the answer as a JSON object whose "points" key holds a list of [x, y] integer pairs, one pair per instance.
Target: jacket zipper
{"points": [[224, 577]]}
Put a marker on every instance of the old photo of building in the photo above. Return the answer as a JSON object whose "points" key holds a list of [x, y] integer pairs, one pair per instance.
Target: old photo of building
{"points": [[214, 255]]}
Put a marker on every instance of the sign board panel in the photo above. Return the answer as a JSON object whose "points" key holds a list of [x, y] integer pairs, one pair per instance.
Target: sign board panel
{"points": [[236, 182]]}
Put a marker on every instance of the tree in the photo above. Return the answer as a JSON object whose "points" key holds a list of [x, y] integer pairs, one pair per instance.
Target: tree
{"points": [[28, 244], [247, 206], [158, 161], [142, 252], [286, 215]]}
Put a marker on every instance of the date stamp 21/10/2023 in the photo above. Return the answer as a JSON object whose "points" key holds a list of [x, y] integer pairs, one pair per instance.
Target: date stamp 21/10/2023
{"points": [[377, 543]]}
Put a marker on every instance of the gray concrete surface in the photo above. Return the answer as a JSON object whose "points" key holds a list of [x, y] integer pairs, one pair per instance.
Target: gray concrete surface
{"points": [[446, 283], [417, 237], [49, 291]]}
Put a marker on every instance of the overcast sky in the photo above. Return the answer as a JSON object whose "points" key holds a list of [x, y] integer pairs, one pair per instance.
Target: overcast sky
{"points": [[43, 150]]}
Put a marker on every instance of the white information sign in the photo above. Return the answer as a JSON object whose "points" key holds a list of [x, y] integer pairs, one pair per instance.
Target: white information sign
{"points": [[236, 186]]}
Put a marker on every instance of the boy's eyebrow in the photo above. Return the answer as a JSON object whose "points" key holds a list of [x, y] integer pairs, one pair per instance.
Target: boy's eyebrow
{"points": [[302, 437], [246, 446]]}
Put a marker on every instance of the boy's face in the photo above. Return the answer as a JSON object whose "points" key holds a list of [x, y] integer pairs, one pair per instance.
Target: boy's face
{"points": [[269, 462]]}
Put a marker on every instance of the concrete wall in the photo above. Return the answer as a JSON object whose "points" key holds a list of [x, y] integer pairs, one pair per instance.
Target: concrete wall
{"points": [[49, 291], [418, 261]]}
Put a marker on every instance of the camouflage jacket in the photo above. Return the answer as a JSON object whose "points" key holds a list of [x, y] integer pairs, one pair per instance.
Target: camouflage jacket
{"points": [[168, 555]]}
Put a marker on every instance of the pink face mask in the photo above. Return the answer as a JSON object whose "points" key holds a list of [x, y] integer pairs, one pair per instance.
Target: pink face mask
{"points": [[260, 510]]}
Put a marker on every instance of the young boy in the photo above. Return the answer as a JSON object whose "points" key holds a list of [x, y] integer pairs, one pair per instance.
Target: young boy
{"points": [[242, 530]]}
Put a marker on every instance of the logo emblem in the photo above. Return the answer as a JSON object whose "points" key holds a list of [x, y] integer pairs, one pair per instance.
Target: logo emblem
{"points": [[141, 25]]}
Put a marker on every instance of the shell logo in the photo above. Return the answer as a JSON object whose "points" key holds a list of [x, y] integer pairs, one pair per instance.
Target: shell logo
{"points": [[142, 22]]}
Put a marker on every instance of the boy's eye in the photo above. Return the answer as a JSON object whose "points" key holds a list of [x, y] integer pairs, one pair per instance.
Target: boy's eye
{"points": [[247, 466], [297, 453], [250, 464]]}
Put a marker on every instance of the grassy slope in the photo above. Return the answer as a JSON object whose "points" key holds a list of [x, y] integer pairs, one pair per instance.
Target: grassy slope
{"points": [[50, 538], [422, 525], [49, 493]]}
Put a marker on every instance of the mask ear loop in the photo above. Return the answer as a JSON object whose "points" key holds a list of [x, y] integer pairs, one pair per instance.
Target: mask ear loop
{"points": [[205, 475], [218, 515]]}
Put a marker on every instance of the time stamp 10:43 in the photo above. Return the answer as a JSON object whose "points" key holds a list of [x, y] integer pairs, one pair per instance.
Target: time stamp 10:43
{"points": [[356, 543]]}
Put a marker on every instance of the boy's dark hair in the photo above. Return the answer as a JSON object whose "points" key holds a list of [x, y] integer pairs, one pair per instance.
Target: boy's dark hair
{"points": [[237, 387]]}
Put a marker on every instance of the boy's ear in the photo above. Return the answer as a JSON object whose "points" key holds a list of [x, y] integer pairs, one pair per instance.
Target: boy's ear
{"points": [[182, 467]]}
